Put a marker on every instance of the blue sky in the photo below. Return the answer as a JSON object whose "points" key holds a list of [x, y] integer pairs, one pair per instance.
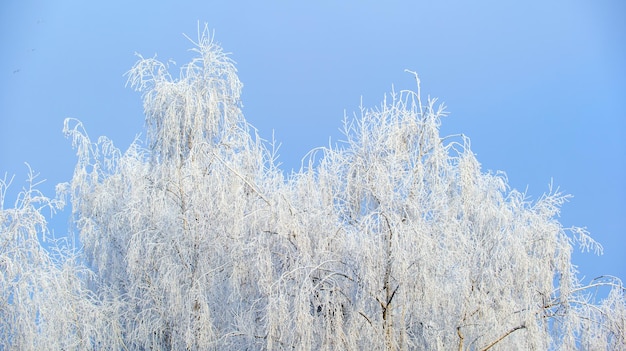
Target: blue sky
{"points": [[539, 87]]}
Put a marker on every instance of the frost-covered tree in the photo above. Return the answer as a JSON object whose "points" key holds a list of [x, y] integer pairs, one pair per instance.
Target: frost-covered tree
{"points": [[171, 228], [44, 301], [393, 239]]}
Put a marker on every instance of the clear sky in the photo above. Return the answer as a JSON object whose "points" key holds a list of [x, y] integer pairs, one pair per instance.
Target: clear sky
{"points": [[538, 86]]}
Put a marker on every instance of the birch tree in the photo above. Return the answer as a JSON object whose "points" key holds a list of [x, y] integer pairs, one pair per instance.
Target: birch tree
{"points": [[45, 303], [171, 228], [393, 239]]}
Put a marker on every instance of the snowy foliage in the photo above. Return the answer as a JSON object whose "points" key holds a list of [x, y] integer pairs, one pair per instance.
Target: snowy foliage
{"points": [[394, 239], [44, 301]]}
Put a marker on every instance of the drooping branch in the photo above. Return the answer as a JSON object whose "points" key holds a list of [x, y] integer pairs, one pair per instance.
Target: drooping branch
{"points": [[509, 332]]}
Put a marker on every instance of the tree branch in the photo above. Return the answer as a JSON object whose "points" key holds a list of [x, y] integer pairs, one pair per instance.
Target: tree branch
{"points": [[522, 326]]}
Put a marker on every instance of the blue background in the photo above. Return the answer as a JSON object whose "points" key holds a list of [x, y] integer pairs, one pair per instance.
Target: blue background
{"points": [[538, 86]]}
